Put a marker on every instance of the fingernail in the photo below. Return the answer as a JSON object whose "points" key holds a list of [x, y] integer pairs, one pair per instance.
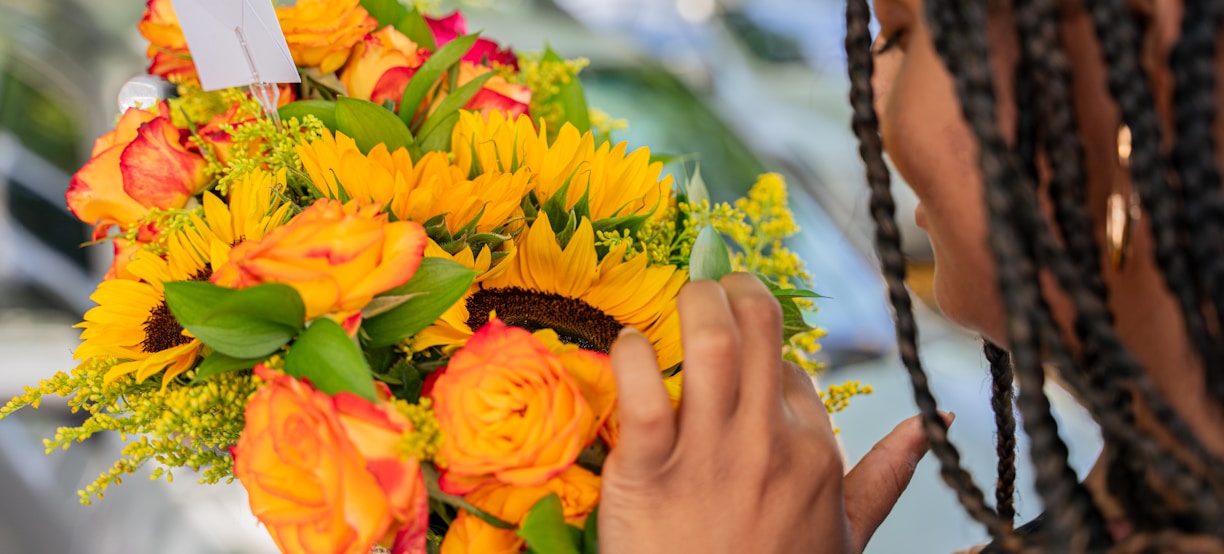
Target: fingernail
{"points": [[948, 417], [626, 331]]}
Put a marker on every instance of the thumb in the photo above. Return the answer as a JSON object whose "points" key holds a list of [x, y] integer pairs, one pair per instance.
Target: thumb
{"points": [[875, 484]]}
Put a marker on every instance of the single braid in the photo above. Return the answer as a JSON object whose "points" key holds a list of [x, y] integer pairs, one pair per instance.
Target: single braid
{"points": [[1194, 101], [1002, 402], [888, 248], [1078, 524]]}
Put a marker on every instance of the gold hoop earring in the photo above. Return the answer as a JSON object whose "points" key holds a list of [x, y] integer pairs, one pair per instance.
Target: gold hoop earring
{"points": [[1122, 209]]}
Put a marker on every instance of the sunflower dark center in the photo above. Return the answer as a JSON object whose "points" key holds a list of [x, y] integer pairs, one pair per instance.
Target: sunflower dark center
{"points": [[162, 331], [574, 321]]}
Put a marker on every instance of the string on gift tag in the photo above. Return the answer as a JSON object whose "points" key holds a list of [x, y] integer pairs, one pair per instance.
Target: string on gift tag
{"points": [[267, 94]]}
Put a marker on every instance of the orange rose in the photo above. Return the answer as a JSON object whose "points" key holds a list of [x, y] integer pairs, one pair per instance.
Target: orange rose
{"points": [[317, 469], [168, 54], [380, 64], [497, 94], [321, 33], [509, 411], [577, 488], [144, 163], [337, 255], [469, 533]]}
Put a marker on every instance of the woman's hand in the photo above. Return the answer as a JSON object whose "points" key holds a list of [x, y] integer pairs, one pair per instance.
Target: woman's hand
{"points": [[749, 463]]}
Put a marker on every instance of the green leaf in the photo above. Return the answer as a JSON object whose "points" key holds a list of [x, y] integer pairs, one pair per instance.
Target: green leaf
{"points": [[590, 534], [369, 125], [414, 26], [571, 98], [437, 285], [332, 362], [429, 72], [446, 114], [218, 363], [383, 304], [325, 110], [387, 12], [545, 529], [710, 258], [697, 191], [439, 138], [241, 323]]}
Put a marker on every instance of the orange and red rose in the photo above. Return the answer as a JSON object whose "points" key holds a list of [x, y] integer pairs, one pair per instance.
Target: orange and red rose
{"points": [[322, 474], [485, 51], [577, 488], [511, 411], [145, 162], [168, 54], [338, 256], [381, 66], [322, 33]]}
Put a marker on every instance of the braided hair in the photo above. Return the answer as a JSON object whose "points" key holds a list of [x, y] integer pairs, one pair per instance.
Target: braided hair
{"points": [[1102, 371]]}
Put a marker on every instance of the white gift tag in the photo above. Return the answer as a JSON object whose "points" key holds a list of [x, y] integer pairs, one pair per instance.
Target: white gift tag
{"points": [[235, 43]]}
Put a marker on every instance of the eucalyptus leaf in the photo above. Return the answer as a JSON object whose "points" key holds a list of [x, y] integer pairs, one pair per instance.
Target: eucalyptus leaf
{"points": [[369, 125], [331, 360], [546, 531], [240, 323], [437, 285], [325, 110], [428, 74], [710, 258]]}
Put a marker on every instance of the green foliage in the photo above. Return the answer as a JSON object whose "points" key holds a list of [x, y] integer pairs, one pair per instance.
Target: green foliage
{"points": [[369, 125], [546, 531], [710, 258], [240, 323], [331, 360], [436, 286]]}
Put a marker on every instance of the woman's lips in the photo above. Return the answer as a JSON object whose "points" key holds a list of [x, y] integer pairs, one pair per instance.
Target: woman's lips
{"points": [[920, 217]]}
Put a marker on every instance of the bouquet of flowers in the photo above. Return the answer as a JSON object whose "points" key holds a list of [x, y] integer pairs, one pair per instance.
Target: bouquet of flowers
{"points": [[385, 307]]}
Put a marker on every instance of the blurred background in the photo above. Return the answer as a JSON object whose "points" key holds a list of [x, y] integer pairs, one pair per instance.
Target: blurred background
{"points": [[746, 86]]}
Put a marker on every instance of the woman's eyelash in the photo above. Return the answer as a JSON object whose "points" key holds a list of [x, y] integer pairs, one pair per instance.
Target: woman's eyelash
{"points": [[889, 43]]}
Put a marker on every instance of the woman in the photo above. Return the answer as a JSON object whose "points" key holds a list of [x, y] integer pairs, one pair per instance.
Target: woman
{"points": [[1066, 155]]}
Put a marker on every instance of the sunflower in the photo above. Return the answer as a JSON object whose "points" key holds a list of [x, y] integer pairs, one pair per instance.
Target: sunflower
{"points": [[584, 300], [132, 322], [476, 212], [613, 182]]}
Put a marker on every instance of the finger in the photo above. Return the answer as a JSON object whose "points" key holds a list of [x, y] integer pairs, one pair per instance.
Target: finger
{"points": [[802, 400], [711, 353], [647, 422], [875, 484], [759, 318]]}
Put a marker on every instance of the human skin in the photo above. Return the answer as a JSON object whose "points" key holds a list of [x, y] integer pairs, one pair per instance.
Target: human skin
{"points": [[696, 481], [749, 463], [934, 150]]}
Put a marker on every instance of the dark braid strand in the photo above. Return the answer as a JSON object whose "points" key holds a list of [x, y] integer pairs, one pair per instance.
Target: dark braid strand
{"points": [[888, 247], [1002, 400], [1077, 523], [1194, 101]]}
